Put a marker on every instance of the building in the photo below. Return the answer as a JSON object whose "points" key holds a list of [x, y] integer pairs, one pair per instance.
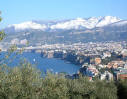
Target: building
{"points": [[97, 60], [120, 73], [106, 54], [122, 76]]}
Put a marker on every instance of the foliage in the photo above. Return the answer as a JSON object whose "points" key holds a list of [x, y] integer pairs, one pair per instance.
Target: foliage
{"points": [[26, 82], [19, 82], [106, 90], [122, 89], [81, 88], [102, 70], [2, 34]]}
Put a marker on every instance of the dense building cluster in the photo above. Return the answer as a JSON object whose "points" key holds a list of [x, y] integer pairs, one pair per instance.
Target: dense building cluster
{"points": [[106, 60]]}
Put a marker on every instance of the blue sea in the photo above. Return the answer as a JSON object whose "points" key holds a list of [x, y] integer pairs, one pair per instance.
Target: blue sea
{"points": [[52, 64]]}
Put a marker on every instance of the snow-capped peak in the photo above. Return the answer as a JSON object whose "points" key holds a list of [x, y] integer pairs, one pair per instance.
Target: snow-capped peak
{"points": [[29, 25], [77, 23], [80, 19], [86, 23], [107, 20], [121, 23], [71, 24]]}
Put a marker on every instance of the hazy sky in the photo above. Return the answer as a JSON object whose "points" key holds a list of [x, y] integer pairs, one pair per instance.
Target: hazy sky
{"points": [[16, 11]]}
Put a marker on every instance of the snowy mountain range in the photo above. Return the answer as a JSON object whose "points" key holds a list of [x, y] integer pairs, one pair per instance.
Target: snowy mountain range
{"points": [[78, 23], [94, 29]]}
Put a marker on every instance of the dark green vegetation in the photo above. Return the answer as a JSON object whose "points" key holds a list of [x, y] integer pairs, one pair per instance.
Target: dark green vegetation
{"points": [[26, 82], [122, 89], [2, 34]]}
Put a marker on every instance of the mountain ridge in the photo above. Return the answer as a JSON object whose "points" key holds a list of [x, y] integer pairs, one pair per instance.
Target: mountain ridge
{"points": [[38, 33], [78, 23]]}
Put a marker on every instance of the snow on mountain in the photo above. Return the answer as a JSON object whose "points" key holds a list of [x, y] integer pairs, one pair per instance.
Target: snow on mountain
{"points": [[68, 24], [72, 24], [76, 24], [28, 25], [121, 23], [107, 20], [86, 23]]}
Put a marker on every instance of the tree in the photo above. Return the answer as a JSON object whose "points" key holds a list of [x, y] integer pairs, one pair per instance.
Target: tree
{"points": [[2, 34], [105, 90], [122, 89]]}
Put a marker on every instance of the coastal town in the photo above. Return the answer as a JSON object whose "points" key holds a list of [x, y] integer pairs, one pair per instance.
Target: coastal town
{"points": [[103, 60]]}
